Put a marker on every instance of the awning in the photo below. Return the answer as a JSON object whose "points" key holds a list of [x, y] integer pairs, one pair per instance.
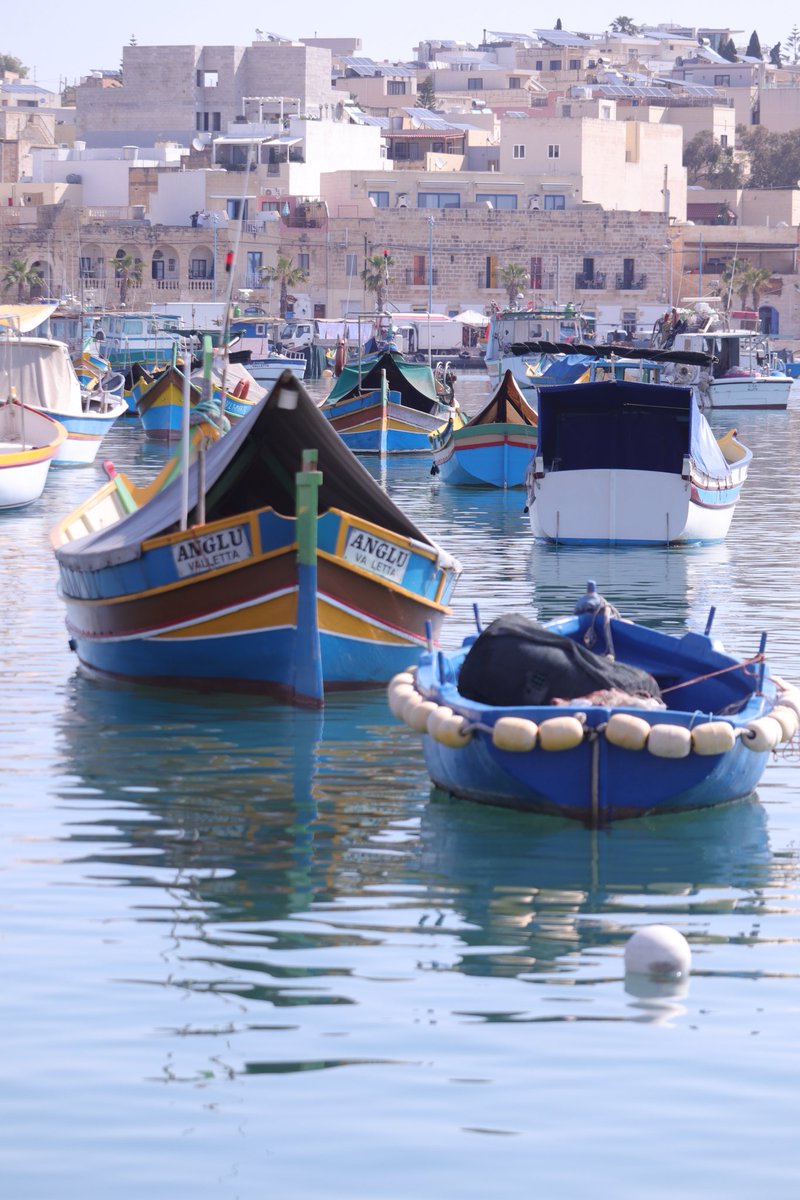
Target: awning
{"points": [[25, 317], [471, 317]]}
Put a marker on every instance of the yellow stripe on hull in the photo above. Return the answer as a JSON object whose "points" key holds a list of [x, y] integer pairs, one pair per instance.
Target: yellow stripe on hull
{"points": [[342, 622], [276, 613]]}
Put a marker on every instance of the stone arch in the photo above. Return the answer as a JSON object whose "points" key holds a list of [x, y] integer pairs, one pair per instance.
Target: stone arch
{"points": [[769, 319], [165, 264], [44, 268], [201, 262]]}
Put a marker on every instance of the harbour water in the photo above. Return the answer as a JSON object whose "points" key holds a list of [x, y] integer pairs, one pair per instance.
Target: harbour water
{"points": [[248, 953]]}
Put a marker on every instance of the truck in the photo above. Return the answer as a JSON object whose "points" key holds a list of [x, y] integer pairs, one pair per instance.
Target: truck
{"points": [[412, 333]]}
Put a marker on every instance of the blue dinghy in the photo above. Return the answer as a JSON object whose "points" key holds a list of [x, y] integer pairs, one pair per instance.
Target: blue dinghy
{"points": [[527, 716]]}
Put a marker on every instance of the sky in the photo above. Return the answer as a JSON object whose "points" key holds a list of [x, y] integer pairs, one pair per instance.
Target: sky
{"points": [[60, 41]]}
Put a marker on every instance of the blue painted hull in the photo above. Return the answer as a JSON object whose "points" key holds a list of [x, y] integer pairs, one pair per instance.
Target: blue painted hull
{"points": [[632, 784], [84, 435], [263, 662], [501, 464]]}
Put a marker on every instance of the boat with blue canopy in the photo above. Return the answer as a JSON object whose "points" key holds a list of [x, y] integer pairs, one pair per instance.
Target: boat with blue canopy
{"points": [[594, 717], [631, 462]]}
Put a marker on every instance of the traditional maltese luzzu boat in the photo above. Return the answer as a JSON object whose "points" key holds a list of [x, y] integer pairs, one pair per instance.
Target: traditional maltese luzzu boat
{"points": [[595, 718]]}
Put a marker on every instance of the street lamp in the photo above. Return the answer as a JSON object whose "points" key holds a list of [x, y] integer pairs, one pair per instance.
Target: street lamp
{"points": [[430, 265]]}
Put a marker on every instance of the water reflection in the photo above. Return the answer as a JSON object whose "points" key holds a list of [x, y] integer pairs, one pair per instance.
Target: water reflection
{"points": [[267, 834], [548, 889]]}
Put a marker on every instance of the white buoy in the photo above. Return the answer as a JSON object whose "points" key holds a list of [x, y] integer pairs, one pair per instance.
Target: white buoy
{"points": [[658, 951]]}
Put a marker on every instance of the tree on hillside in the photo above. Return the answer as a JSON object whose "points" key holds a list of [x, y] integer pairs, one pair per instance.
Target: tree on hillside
{"points": [[558, 24], [9, 62], [426, 94], [727, 50], [754, 46], [624, 25], [22, 275], [776, 55], [376, 277], [513, 278], [709, 163], [287, 275], [774, 157], [793, 42]]}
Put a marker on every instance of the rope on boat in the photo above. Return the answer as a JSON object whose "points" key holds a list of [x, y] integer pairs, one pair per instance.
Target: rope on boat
{"points": [[747, 662]]}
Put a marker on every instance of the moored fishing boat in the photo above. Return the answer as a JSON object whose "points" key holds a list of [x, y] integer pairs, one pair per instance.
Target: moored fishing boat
{"points": [[160, 405], [389, 406], [744, 373], [29, 440], [493, 449], [631, 462], [266, 590], [41, 370], [595, 718]]}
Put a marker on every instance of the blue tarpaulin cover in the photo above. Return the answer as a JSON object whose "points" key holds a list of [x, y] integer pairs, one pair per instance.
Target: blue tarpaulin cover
{"points": [[627, 426]]}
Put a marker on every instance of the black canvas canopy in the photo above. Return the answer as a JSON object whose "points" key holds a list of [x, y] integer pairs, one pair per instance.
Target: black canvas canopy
{"points": [[253, 467], [694, 358], [507, 406]]}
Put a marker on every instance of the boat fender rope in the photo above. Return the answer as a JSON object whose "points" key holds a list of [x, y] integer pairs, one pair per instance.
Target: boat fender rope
{"points": [[762, 735], [788, 720], [669, 741], [515, 734], [449, 728], [627, 732], [561, 733]]}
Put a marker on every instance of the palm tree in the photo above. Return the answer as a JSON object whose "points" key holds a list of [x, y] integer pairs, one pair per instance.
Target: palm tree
{"points": [[376, 277], [624, 25], [288, 276], [21, 274], [513, 278], [127, 271], [759, 277], [735, 279]]}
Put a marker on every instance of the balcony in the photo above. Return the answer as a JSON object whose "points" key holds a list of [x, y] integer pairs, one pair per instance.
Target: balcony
{"points": [[592, 283], [197, 285], [631, 283]]}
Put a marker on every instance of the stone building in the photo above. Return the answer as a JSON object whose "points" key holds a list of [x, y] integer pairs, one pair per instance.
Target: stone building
{"points": [[183, 93]]}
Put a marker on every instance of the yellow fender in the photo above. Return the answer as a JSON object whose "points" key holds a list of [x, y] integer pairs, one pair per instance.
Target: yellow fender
{"points": [[669, 741], [416, 716], [788, 719], [399, 693], [762, 734], [560, 733], [715, 737], [447, 728], [514, 733], [627, 732]]}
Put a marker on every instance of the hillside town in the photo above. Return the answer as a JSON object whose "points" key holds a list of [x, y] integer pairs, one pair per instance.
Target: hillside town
{"points": [[624, 171]]}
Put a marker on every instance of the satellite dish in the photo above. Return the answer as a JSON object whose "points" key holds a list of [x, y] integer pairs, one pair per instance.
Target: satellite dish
{"points": [[198, 143]]}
